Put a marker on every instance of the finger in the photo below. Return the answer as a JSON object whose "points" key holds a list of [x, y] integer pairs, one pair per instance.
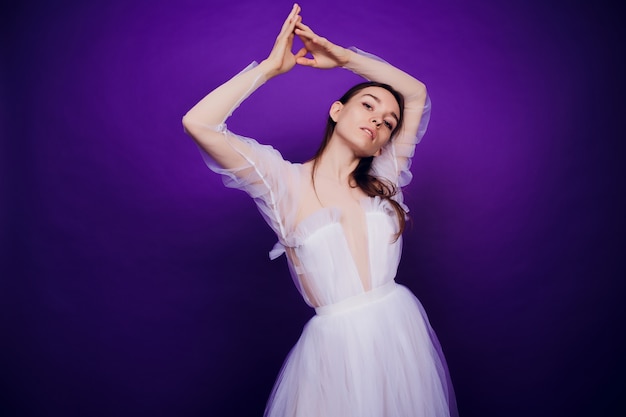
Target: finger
{"points": [[290, 19], [301, 53], [308, 62], [295, 10], [289, 34], [284, 42], [303, 26], [287, 20], [305, 34], [308, 38], [289, 41], [289, 30]]}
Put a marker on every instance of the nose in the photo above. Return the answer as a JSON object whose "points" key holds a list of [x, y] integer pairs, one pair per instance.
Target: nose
{"points": [[376, 122]]}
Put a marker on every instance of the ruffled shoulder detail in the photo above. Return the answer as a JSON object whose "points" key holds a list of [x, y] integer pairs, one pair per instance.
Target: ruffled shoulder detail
{"points": [[270, 180], [261, 155]]}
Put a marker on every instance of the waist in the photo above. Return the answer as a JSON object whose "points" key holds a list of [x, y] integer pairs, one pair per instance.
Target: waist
{"points": [[359, 300]]}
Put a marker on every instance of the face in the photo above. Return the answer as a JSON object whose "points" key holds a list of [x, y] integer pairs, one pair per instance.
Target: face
{"points": [[367, 120]]}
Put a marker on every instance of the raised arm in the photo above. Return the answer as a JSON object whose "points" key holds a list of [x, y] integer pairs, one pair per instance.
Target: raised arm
{"points": [[413, 90], [328, 55], [205, 121], [395, 161]]}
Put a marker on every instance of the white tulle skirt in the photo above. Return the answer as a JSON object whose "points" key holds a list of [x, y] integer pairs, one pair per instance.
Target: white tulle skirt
{"points": [[372, 355]]}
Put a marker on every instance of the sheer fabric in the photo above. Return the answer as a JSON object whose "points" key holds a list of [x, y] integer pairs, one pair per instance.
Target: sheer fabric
{"points": [[370, 350]]}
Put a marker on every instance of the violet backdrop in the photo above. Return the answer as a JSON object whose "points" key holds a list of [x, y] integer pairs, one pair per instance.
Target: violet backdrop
{"points": [[133, 283]]}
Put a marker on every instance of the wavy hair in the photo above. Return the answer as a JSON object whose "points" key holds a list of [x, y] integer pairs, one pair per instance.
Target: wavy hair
{"points": [[371, 185]]}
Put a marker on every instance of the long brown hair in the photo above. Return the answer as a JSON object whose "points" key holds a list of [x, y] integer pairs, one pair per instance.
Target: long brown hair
{"points": [[371, 185]]}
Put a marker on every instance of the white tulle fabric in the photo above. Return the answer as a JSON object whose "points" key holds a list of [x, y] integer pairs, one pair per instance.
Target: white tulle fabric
{"points": [[365, 352]]}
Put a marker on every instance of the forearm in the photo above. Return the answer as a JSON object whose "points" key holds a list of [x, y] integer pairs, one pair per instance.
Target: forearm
{"points": [[204, 122], [416, 108], [213, 110], [374, 69]]}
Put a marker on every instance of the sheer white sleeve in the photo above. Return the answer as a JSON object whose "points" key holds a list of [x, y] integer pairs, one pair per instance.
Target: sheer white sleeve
{"points": [[394, 162], [243, 163], [264, 175]]}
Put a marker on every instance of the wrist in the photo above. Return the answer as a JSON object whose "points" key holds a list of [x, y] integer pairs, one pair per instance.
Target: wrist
{"points": [[267, 69], [347, 57]]}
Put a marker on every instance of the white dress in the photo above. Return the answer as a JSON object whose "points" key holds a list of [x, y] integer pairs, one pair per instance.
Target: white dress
{"points": [[369, 351]]}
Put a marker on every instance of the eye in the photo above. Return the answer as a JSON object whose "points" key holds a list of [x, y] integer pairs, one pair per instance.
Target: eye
{"points": [[389, 125], [367, 106]]}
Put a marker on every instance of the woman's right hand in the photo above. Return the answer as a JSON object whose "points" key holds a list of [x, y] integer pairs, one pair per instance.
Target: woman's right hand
{"points": [[281, 59]]}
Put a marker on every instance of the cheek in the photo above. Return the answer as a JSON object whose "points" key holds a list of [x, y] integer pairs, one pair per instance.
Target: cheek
{"points": [[385, 137], [347, 121]]}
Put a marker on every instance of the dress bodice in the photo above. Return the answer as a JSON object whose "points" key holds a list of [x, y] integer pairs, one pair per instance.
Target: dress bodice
{"points": [[322, 264]]}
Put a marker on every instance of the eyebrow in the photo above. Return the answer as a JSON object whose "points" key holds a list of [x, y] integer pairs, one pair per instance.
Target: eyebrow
{"points": [[378, 101]]}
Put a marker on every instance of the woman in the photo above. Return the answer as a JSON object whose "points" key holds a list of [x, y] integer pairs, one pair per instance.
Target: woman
{"points": [[369, 350]]}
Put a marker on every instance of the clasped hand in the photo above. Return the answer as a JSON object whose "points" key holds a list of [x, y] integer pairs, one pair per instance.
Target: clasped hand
{"points": [[325, 54]]}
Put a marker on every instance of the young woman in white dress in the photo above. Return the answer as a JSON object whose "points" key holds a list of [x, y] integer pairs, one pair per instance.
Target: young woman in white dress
{"points": [[369, 350]]}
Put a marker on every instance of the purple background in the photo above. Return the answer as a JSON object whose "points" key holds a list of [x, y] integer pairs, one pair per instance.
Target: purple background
{"points": [[133, 283]]}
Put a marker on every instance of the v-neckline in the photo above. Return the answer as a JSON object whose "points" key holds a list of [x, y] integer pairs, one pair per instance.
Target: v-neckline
{"points": [[327, 216]]}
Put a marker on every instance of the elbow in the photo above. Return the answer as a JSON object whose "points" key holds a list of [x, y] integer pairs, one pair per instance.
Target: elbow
{"points": [[203, 134], [187, 124], [416, 93], [195, 125], [421, 90], [417, 97], [420, 95], [191, 126]]}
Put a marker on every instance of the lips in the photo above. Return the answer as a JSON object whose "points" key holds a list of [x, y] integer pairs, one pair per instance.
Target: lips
{"points": [[370, 132]]}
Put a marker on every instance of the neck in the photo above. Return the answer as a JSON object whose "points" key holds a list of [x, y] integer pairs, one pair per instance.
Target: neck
{"points": [[336, 163]]}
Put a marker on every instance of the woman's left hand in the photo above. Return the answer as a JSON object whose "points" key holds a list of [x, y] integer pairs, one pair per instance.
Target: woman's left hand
{"points": [[325, 53]]}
